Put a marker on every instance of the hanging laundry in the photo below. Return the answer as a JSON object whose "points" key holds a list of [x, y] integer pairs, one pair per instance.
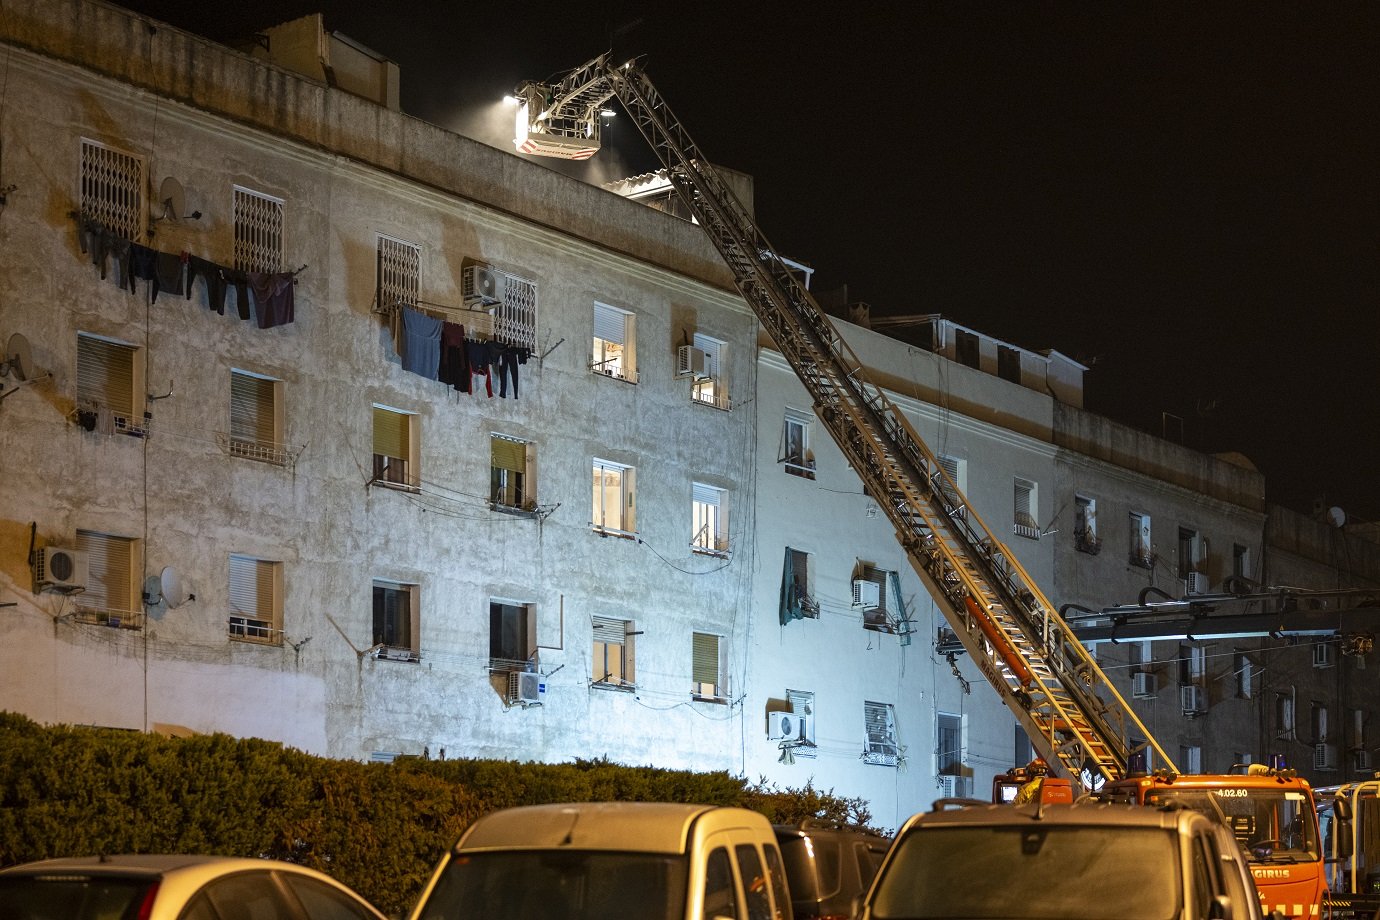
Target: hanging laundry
{"points": [[169, 273], [421, 343], [509, 357], [454, 369], [143, 266], [477, 355], [210, 272], [273, 298], [240, 282]]}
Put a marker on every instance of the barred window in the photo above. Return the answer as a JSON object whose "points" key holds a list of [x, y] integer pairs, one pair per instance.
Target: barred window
{"points": [[112, 189], [515, 318], [400, 272], [258, 231]]}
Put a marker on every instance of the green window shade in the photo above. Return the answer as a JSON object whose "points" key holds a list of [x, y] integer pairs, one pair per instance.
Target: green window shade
{"points": [[391, 434], [706, 659], [509, 455], [105, 374], [251, 587]]}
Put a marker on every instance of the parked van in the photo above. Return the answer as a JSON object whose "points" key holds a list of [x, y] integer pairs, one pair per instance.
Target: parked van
{"points": [[828, 868], [596, 861]]}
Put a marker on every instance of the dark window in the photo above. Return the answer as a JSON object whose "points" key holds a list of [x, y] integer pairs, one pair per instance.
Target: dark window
{"points": [[1008, 364], [322, 902], [966, 344], [392, 616], [509, 643], [754, 882], [720, 899], [71, 896]]}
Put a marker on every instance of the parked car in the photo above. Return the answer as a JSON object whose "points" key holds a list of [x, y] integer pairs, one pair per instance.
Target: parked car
{"points": [[175, 888], [828, 868], [1064, 862], [597, 861]]}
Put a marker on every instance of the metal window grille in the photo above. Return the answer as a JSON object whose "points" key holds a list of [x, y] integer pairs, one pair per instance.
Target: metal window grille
{"points": [[399, 272], [112, 189], [258, 231], [880, 723], [515, 319]]}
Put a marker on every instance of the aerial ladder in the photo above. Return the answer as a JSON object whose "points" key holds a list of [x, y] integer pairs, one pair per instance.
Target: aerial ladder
{"points": [[1074, 716]]}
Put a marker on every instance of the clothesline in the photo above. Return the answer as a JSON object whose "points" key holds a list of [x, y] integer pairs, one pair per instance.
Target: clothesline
{"points": [[477, 323]]}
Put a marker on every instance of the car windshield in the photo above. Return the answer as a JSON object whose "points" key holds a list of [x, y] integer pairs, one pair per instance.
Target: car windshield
{"points": [[1269, 825], [559, 885], [71, 896], [1031, 872]]}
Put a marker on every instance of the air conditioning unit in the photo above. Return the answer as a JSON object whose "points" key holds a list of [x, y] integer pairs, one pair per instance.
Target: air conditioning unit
{"points": [[60, 569], [1196, 583], [866, 594], [788, 726], [1322, 655], [1324, 757], [388, 653], [1192, 699], [526, 688], [1145, 685], [692, 362], [954, 787], [482, 285]]}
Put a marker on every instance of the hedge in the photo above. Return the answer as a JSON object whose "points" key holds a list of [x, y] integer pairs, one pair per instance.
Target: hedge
{"points": [[379, 828]]}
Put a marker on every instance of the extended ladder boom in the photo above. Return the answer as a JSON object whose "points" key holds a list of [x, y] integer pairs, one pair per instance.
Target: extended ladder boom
{"points": [[1074, 716]]}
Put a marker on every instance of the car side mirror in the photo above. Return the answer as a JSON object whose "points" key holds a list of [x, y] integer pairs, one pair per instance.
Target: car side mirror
{"points": [[1220, 909]]}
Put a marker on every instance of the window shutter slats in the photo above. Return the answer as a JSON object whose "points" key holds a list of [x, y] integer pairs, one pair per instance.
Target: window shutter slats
{"points": [[610, 325], [391, 433], [109, 560], [105, 374], [251, 587], [251, 409], [609, 631], [706, 659], [509, 455]]}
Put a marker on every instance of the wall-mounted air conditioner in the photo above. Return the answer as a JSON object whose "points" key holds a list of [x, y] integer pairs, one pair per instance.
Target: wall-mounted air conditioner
{"points": [[1322, 655], [482, 285], [526, 688], [1324, 757], [1145, 685], [866, 594], [1192, 699], [788, 726], [1196, 583], [58, 569], [955, 787], [691, 362]]}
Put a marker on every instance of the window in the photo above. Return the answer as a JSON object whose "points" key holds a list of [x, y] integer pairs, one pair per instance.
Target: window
{"points": [[1191, 552], [258, 231], [110, 391], [709, 520], [109, 598], [797, 593], [399, 272], [515, 316], [512, 636], [1025, 524], [511, 483], [395, 448], [395, 620], [1191, 758], [795, 445], [709, 666], [711, 388], [1141, 550], [112, 189], [255, 424], [1008, 363], [1245, 675], [967, 348], [613, 498], [1142, 655], [1085, 538], [951, 484], [1284, 715], [803, 704], [1358, 729], [1240, 560], [879, 746], [879, 617], [948, 751], [720, 893], [614, 343], [613, 653], [256, 590], [1192, 664], [1317, 717]]}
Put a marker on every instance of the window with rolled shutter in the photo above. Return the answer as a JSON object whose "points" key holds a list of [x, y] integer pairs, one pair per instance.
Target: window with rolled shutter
{"points": [[613, 653], [254, 417], [708, 519], [254, 592], [613, 510], [393, 438], [106, 376], [1025, 523], [710, 681], [510, 485], [613, 343], [950, 484], [712, 388], [110, 573]]}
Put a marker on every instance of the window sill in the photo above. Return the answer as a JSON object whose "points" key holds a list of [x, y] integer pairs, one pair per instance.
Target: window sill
{"points": [[617, 688], [707, 551], [1024, 530], [610, 375], [613, 532], [115, 619], [879, 627], [255, 640], [514, 510], [395, 486], [723, 405], [716, 700], [261, 453], [803, 472]]}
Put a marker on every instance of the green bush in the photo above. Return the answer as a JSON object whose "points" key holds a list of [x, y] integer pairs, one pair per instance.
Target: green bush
{"points": [[379, 828]]}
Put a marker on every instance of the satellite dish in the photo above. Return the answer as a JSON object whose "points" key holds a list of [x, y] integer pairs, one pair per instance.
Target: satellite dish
{"points": [[1336, 516], [19, 359], [173, 590], [174, 198], [153, 591]]}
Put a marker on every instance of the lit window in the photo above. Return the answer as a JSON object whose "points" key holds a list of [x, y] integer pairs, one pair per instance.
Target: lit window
{"points": [[399, 272], [613, 659], [613, 498], [511, 483], [110, 393], [258, 231], [256, 590], [112, 189], [1085, 538], [710, 388], [396, 436], [709, 667], [255, 424], [615, 353], [395, 620], [109, 598], [1142, 551], [709, 519], [880, 744], [512, 636], [795, 445], [1025, 524]]}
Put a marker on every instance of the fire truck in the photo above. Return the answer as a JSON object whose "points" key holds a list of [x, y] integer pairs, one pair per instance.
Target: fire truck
{"points": [[1077, 721], [1350, 817]]}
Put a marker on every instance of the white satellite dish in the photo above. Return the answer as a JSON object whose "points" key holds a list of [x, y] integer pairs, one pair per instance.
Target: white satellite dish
{"points": [[19, 358], [1336, 516], [173, 590], [174, 198]]}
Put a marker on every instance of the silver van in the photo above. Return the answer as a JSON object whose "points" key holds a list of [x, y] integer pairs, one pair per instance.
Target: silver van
{"points": [[602, 860]]}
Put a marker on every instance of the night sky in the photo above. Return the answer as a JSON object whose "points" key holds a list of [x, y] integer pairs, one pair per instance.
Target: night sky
{"points": [[1182, 196]]}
